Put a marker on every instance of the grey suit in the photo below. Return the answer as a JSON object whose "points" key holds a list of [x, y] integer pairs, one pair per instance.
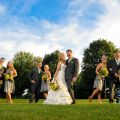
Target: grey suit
{"points": [[71, 71]]}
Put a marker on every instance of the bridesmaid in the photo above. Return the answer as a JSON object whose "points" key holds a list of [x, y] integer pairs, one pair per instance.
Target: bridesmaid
{"points": [[46, 77], [9, 81], [98, 84]]}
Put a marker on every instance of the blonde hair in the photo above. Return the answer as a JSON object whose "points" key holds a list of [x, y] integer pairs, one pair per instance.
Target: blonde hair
{"points": [[46, 66], [12, 67], [60, 55]]}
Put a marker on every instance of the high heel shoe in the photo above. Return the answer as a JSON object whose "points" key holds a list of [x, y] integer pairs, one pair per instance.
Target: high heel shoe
{"points": [[90, 99]]}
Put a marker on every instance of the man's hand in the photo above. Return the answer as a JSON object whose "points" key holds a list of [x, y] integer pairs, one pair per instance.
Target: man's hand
{"points": [[116, 75], [33, 81]]}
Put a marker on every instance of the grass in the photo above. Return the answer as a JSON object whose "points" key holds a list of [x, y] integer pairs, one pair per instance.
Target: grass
{"points": [[82, 110]]}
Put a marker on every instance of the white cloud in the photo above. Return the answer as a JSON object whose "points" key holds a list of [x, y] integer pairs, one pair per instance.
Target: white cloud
{"points": [[109, 24], [24, 40]]}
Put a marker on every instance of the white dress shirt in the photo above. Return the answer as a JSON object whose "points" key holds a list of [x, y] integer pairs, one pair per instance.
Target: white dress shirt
{"points": [[39, 70], [117, 61]]}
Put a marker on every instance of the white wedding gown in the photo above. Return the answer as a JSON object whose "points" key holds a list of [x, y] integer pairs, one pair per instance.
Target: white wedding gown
{"points": [[60, 96]]}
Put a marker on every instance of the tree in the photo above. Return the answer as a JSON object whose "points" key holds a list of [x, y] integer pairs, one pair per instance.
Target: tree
{"points": [[52, 60], [92, 56], [23, 62]]}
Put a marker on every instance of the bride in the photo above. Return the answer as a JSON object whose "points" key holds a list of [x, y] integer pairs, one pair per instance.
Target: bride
{"points": [[60, 96]]}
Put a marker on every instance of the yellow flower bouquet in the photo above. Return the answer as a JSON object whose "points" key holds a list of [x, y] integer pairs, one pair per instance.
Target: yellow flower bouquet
{"points": [[103, 73], [44, 77], [54, 86], [8, 77]]}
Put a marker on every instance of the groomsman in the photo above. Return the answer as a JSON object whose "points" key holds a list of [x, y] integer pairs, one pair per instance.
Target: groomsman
{"points": [[113, 67], [2, 70], [35, 77]]}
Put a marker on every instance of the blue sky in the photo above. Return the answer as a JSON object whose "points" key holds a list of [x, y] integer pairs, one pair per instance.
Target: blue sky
{"points": [[55, 11], [42, 26], [25, 10]]}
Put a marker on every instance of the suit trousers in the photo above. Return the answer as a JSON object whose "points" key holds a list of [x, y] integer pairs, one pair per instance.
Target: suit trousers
{"points": [[70, 89], [111, 91], [35, 92]]}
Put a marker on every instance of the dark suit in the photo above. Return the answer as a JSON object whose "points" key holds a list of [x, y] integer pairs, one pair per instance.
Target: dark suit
{"points": [[71, 71], [113, 68], [35, 87], [2, 71]]}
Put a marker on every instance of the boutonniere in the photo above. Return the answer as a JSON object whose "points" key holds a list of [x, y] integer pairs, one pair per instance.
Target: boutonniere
{"points": [[110, 69], [71, 62]]}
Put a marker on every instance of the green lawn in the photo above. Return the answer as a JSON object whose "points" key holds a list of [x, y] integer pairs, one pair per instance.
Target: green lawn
{"points": [[82, 110]]}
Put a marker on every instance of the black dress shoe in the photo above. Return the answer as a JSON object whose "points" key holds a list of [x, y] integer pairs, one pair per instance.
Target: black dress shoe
{"points": [[36, 101], [73, 102]]}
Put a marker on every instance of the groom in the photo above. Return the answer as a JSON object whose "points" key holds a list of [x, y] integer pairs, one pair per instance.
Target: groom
{"points": [[71, 72]]}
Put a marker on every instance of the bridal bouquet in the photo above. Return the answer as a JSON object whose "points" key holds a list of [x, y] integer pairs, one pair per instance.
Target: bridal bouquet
{"points": [[8, 77], [54, 85], [103, 73]]}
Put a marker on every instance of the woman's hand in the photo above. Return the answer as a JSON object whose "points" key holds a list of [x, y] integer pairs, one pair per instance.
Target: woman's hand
{"points": [[55, 78]]}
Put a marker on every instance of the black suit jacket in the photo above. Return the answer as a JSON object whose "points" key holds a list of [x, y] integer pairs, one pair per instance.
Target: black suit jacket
{"points": [[72, 69], [2, 71], [113, 68], [34, 75]]}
